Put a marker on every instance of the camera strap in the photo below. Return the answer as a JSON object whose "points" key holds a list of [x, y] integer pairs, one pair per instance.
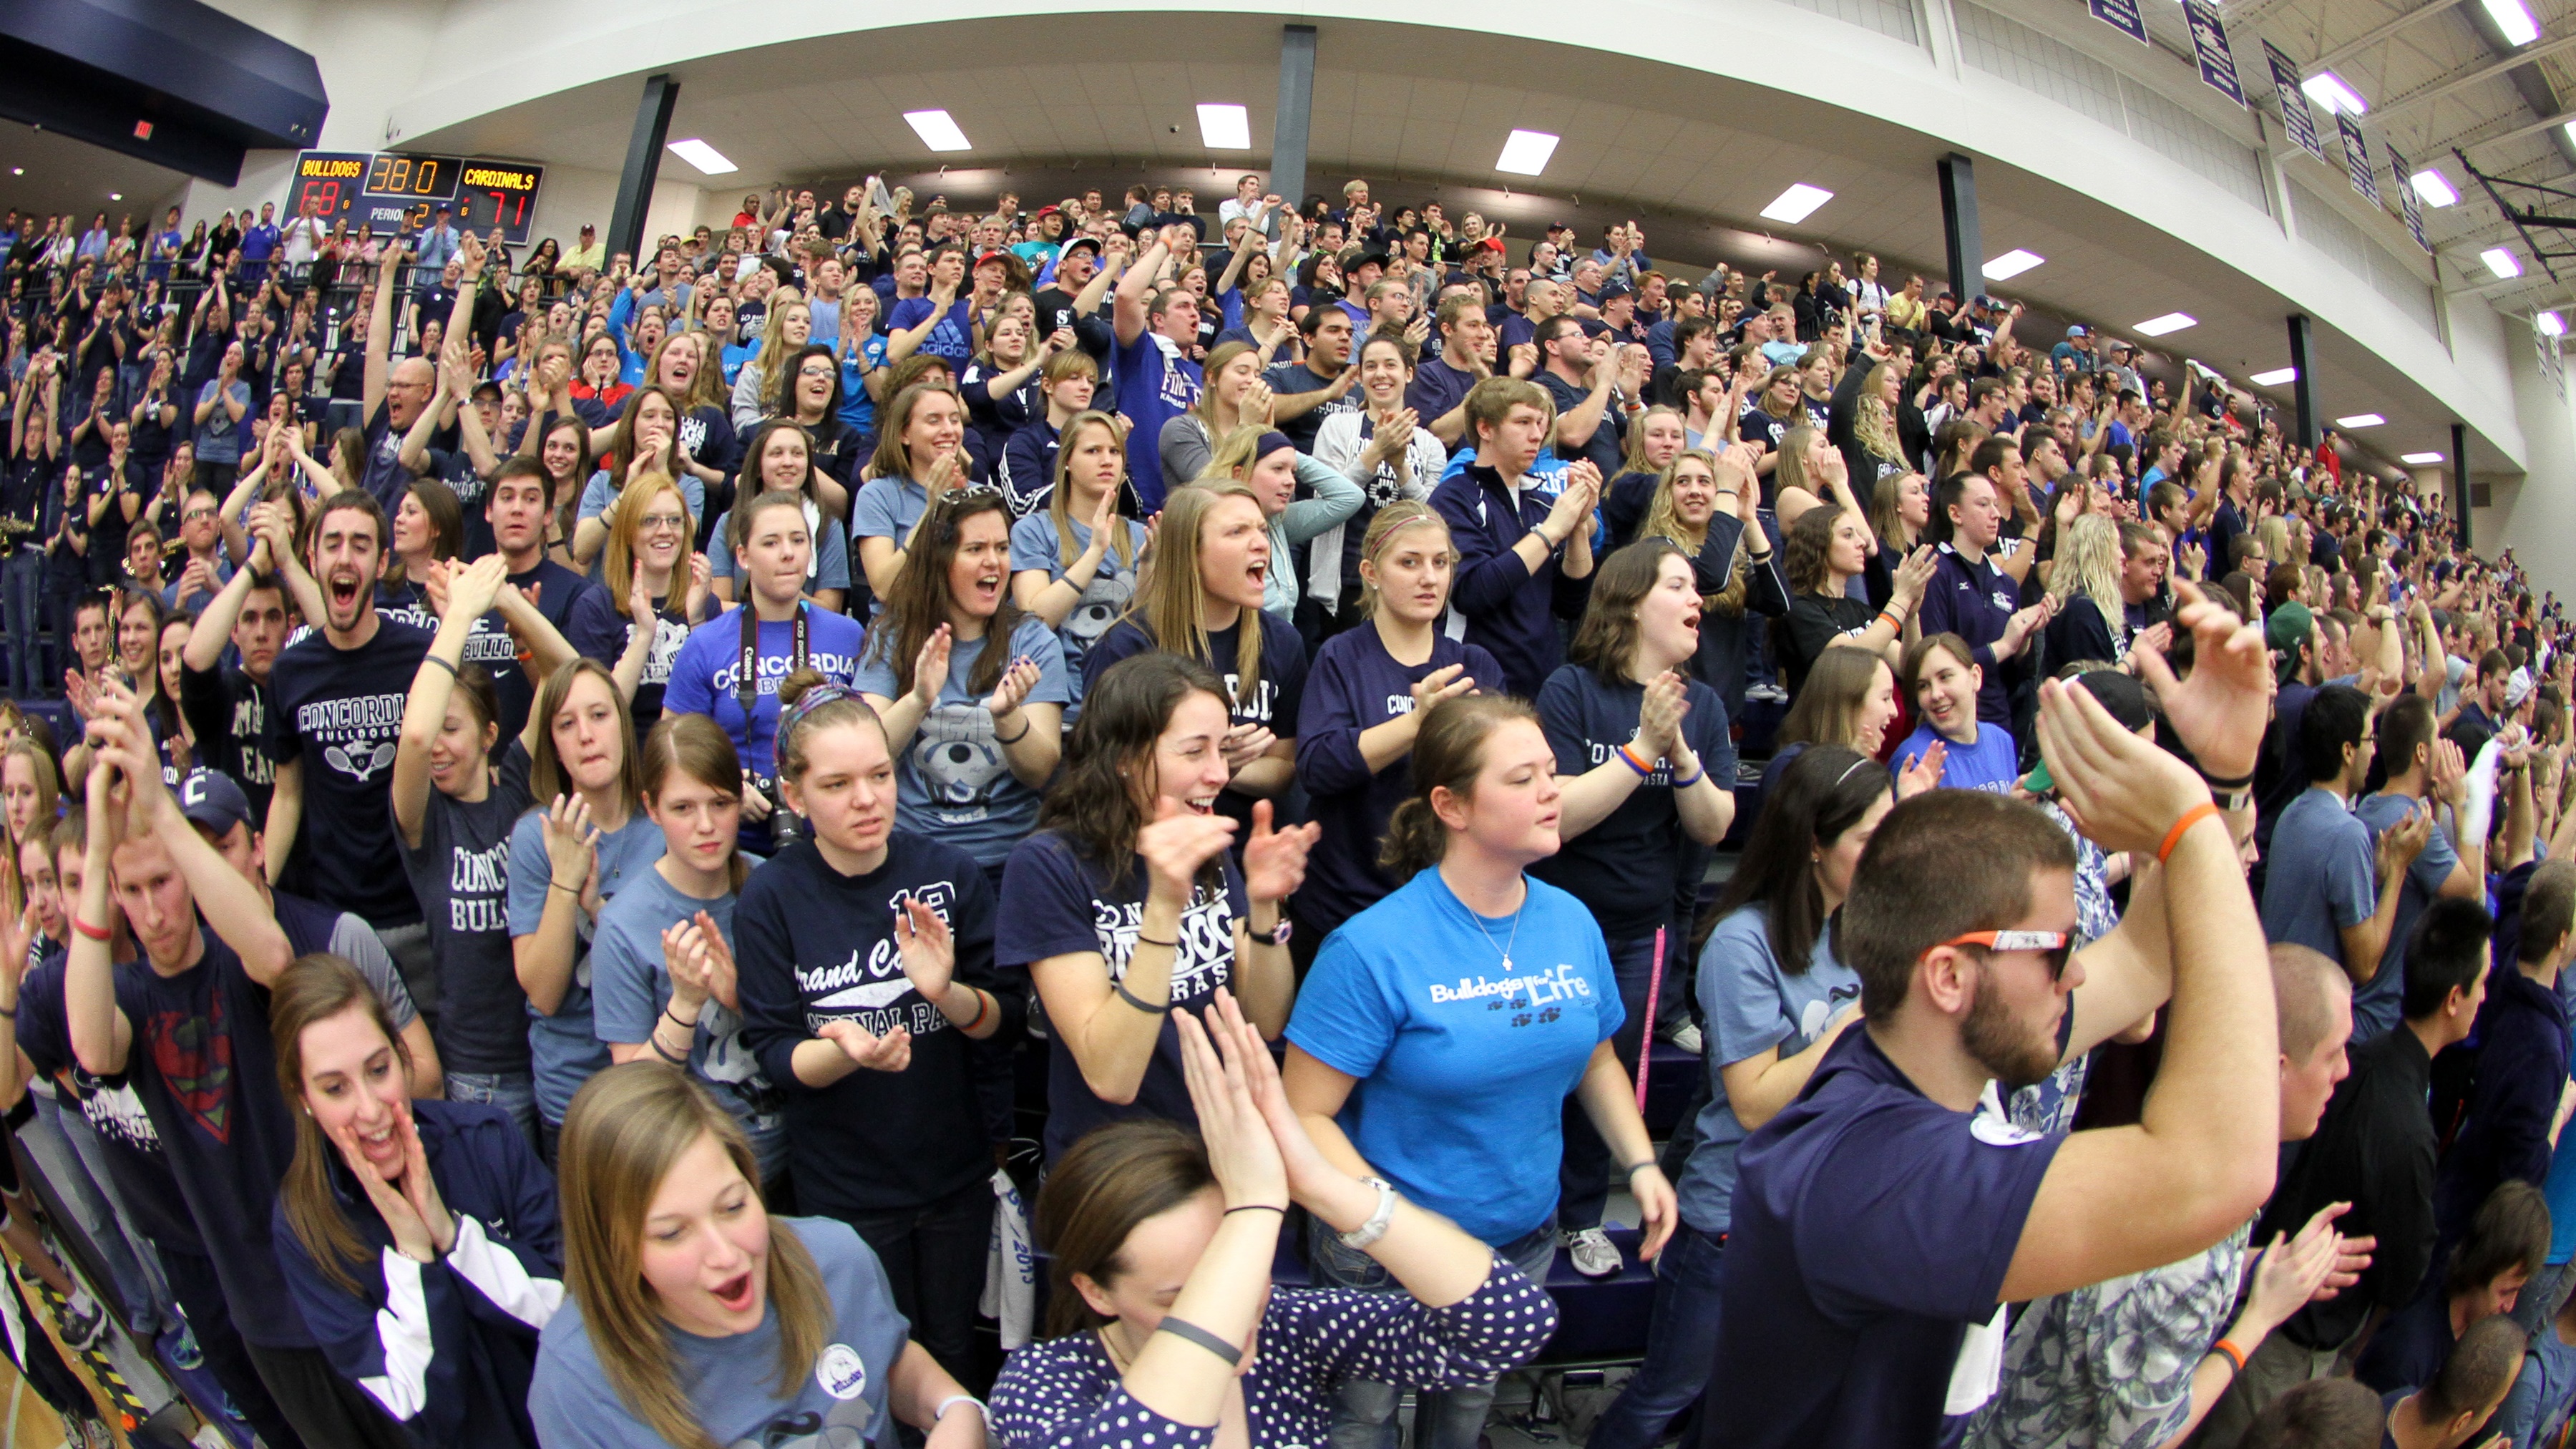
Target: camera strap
{"points": [[747, 688]]}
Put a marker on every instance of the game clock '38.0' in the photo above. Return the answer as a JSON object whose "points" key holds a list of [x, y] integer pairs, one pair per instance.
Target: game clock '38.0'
{"points": [[386, 191]]}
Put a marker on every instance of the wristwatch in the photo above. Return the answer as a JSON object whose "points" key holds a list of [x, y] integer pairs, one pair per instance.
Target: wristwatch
{"points": [[1280, 933]]}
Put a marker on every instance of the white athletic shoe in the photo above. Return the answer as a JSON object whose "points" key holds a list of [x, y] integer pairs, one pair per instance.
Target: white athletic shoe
{"points": [[1594, 1255]]}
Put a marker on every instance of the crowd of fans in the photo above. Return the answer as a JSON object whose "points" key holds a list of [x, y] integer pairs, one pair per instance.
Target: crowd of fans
{"points": [[587, 775]]}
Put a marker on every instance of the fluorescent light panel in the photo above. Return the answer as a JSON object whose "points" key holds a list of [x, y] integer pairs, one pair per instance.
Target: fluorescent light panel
{"points": [[2419, 459], [2516, 23], [2012, 264], [2550, 324], [706, 158], [937, 131], [2328, 90], [2433, 188], [2501, 262], [1225, 127], [1797, 203], [1525, 153], [2170, 322], [2360, 420], [2277, 377]]}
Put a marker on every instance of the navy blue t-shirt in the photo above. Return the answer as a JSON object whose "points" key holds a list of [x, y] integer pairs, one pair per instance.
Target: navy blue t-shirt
{"points": [[1276, 703], [1973, 600], [1872, 1231], [340, 712], [1356, 686], [1624, 868], [1290, 379], [1152, 387], [127, 1139]]}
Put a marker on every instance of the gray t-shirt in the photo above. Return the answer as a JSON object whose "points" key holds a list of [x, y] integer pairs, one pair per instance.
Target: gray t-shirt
{"points": [[2321, 878], [1752, 1006], [952, 782], [2377, 1006], [563, 1049]]}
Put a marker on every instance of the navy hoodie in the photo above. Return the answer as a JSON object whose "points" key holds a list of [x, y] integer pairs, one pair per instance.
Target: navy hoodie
{"points": [[1495, 599]]}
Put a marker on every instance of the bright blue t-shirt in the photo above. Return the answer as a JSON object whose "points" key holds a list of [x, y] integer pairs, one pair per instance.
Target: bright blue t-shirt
{"points": [[952, 782], [564, 1050], [1989, 764], [2378, 1004], [1466, 1035], [707, 673]]}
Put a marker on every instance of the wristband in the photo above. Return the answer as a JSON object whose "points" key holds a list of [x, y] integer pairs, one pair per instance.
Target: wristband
{"points": [[1889, 614], [95, 933], [1138, 1002], [1015, 739], [1188, 1332], [1375, 1228], [2230, 1352], [1256, 1207], [655, 1042], [1629, 757], [2190, 818], [983, 1005], [2223, 782], [556, 885], [1637, 1167], [1680, 783], [953, 1400], [441, 663], [680, 1021]]}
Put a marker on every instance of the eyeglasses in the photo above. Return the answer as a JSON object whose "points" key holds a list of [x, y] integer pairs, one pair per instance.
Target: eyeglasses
{"points": [[2057, 945], [653, 521]]}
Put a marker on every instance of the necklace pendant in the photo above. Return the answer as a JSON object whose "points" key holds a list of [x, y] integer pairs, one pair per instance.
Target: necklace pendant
{"points": [[1507, 965]]}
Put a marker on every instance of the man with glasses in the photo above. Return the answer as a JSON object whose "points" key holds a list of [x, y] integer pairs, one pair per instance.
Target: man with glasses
{"points": [[1885, 1219], [202, 570]]}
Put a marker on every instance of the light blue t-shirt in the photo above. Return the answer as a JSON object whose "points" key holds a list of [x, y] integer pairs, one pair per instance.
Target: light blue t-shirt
{"points": [[1466, 1035], [886, 508], [2322, 877], [827, 568], [563, 1049], [1751, 1006], [599, 492], [630, 986], [1034, 545], [952, 782], [1990, 764], [732, 1383], [2379, 1004]]}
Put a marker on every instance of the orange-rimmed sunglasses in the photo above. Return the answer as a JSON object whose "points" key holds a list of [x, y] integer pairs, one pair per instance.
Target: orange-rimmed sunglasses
{"points": [[2056, 945]]}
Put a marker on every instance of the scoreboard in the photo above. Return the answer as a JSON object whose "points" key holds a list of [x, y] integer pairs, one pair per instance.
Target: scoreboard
{"points": [[381, 191]]}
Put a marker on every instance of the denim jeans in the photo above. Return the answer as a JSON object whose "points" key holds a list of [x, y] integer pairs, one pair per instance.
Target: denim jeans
{"points": [[1364, 1413], [22, 596], [512, 1092], [65, 1146], [1681, 1345], [1583, 1175]]}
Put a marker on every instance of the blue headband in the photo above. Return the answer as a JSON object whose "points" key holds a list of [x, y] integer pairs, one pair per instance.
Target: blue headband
{"points": [[1271, 443], [812, 700]]}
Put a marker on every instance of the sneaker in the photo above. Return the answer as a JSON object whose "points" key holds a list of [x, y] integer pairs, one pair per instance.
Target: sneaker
{"points": [[184, 1353], [82, 1321], [1687, 1037], [1594, 1255]]}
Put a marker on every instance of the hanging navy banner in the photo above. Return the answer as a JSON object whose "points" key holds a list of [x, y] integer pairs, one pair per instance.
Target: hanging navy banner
{"points": [[2209, 43], [2356, 157], [2295, 116], [2407, 201], [2121, 15]]}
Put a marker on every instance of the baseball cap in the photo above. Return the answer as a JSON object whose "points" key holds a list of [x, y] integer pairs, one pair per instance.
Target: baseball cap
{"points": [[1372, 254], [1049, 209], [1490, 244], [2517, 688], [995, 255], [2076, 331], [1616, 289], [1091, 243], [1989, 303], [2286, 633], [2121, 694], [210, 799]]}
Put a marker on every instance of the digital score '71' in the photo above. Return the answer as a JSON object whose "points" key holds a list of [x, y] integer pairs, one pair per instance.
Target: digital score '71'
{"points": [[498, 193]]}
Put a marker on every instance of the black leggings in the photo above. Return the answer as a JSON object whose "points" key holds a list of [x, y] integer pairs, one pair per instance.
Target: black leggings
{"points": [[325, 1408], [934, 1262]]}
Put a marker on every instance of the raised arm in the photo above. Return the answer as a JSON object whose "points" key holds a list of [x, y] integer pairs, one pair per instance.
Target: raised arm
{"points": [[380, 331]]}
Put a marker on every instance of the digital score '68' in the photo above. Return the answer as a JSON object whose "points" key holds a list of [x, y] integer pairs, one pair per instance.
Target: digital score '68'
{"points": [[384, 191]]}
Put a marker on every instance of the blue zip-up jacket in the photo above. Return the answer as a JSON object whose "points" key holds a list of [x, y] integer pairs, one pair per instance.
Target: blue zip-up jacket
{"points": [[1973, 601], [448, 1348], [1495, 599]]}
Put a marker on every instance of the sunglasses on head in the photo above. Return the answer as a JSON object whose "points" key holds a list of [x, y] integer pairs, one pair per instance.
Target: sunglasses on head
{"points": [[2057, 946]]}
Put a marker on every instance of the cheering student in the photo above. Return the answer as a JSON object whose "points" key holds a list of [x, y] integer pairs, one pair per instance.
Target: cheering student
{"points": [[1202, 601], [649, 569], [1076, 560], [1943, 677], [1840, 1322], [920, 455], [1385, 450], [1703, 503], [1029, 455], [864, 962], [1365, 702], [780, 458], [1524, 557], [189, 1031], [569, 857], [418, 1237], [1647, 770], [1128, 903], [661, 961], [730, 668], [971, 689], [697, 1319], [1139, 1207], [1441, 1030]]}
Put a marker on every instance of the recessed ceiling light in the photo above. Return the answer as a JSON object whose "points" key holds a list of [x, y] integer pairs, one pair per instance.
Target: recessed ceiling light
{"points": [[2434, 188], [116, 196], [2419, 459], [2170, 322], [1225, 127], [937, 131], [2276, 377], [1525, 153], [706, 158], [2012, 264], [2550, 324], [2501, 262], [2328, 90], [2360, 420], [1797, 203], [2516, 23], [17, 170]]}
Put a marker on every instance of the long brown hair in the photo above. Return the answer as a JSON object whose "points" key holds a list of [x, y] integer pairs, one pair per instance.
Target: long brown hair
{"points": [[1109, 757], [696, 746], [918, 603], [1113, 1179], [1837, 684], [1171, 598], [1122, 539], [310, 990], [628, 1125], [893, 456], [1606, 641], [1448, 753], [547, 777], [620, 460]]}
